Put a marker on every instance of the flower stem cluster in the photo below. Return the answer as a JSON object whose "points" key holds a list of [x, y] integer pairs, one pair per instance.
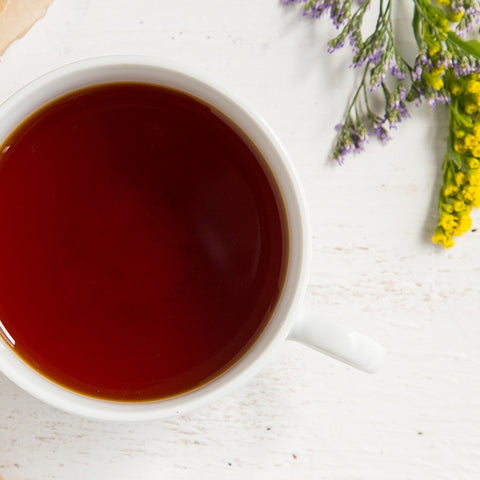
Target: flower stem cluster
{"points": [[384, 69], [446, 71], [460, 189]]}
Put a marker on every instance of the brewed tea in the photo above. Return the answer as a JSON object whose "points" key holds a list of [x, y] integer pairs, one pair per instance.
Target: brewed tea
{"points": [[143, 242]]}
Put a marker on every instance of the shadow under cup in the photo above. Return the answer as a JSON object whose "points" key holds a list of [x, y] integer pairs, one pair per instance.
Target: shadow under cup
{"points": [[147, 242]]}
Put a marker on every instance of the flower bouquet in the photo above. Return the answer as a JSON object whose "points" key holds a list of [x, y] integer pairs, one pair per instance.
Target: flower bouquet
{"points": [[446, 70]]}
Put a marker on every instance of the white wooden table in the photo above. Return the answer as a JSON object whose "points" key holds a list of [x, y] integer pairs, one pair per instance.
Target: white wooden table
{"points": [[304, 416]]}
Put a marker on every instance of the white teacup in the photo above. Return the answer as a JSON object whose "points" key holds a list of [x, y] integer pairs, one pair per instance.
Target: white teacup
{"points": [[288, 320]]}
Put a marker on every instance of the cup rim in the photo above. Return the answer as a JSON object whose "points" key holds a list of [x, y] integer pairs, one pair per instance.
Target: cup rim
{"points": [[83, 73]]}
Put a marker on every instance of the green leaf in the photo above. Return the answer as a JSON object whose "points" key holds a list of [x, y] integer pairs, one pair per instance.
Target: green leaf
{"points": [[417, 23], [457, 160], [454, 157], [471, 47], [462, 118], [451, 155]]}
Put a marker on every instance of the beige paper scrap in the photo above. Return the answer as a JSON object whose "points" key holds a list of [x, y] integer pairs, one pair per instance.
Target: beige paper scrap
{"points": [[16, 18]]}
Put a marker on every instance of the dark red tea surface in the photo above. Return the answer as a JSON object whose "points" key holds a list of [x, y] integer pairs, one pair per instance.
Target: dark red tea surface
{"points": [[142, 243]]}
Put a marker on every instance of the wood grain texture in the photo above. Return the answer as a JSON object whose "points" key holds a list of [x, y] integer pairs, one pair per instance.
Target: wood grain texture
{"points": [[304, 416]]}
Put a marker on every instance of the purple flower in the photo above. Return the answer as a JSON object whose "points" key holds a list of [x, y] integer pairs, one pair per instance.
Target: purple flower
{"points": [[417, 73], [339, 10], [396, 113], [395, 69], [376, 56], [355, 40], [396, 110], [351, 139], [335, 44], [468, 65], [422, 62], [435, 97], [379, 130], [471, 15]]}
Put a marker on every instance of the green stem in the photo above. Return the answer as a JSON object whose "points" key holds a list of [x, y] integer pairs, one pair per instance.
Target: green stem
{"points": [[393, 44], [361, 10], [359, 89]]}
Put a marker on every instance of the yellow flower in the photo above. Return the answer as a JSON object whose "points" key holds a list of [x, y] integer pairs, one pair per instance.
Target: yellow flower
{"points": [[455, 16], [472, 162], [460, 147], [450, 190], [435, 81], [447, 222], [476, 130], [444, 24], [456, 88], [470, 107], [433, 48], [473, 176], [460, 133], [459, 178], [436, 71], [469, 193], [464, 224], [472, 86], [458, 205], [447, 207], [470, 141], [442, 238], [475, 151], [443, 2], [476, 197]]}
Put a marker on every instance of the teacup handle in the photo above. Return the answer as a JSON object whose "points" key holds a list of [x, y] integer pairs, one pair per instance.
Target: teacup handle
{"points": [[339, 342]]}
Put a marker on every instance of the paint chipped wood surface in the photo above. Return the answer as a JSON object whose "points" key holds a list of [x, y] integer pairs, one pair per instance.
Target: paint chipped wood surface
{"points": [[304, 416], [17, 16]]}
